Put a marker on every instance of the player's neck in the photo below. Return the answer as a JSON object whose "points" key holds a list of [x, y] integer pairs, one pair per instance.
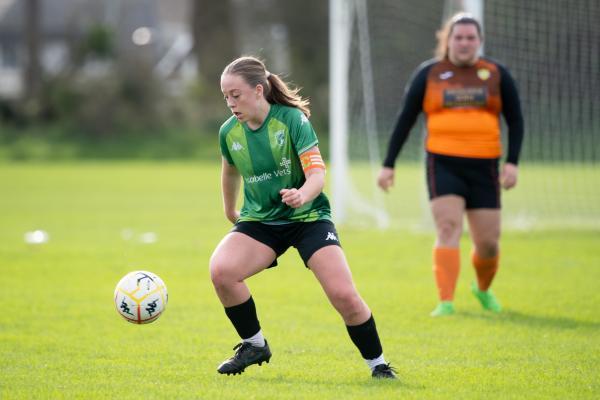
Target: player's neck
{"points": [[464, 63], [262, 111]]}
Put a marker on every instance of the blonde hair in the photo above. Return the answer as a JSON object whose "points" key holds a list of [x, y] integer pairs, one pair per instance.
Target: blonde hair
{"points": [[443, 35], [276, 91]]}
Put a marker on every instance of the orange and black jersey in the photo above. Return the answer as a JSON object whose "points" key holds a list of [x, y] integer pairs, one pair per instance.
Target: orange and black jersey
{"points": [[462, 106]]}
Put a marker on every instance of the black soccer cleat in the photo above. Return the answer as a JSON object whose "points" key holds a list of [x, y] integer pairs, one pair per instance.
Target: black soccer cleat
{"points": [[246, 355], [384, 371]]}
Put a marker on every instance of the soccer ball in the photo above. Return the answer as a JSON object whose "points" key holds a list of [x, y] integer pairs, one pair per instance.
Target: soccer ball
{"points": [[141, 297]]}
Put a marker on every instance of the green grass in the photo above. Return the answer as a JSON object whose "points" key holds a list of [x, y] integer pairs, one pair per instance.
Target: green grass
{"points": [[60, 336], [547, 196]]}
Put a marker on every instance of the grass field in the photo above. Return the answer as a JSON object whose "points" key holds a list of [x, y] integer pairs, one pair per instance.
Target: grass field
{"points": [[60, 336]]}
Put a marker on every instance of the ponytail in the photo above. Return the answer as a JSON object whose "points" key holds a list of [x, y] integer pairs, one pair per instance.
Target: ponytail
{"points": [[280, 93]]}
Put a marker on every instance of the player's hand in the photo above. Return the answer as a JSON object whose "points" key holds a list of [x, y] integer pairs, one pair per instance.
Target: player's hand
{"points": [[292, 197], [233, 216], [508, 176], [385, 180]]}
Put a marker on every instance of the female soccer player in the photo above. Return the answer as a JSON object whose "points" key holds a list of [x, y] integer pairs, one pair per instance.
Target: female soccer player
{"points": [[270, 144], [462, 96]]}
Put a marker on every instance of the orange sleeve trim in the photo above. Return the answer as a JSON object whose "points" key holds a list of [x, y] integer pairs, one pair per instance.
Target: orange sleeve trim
{"points": [[312, 159]]}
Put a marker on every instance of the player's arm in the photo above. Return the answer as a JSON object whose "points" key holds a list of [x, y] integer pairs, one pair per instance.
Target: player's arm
{"points": [[511, 110], [314, 171], [230, 188], [413, 105]]}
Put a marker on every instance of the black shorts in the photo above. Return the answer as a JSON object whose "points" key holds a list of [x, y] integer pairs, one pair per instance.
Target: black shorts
{"points": [[306, 237], [474, 179]]}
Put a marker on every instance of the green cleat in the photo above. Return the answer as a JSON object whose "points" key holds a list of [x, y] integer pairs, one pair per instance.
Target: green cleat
{"points": [[486, 298], [443, 308]]}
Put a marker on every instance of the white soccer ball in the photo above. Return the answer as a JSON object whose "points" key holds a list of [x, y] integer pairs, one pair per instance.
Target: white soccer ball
{"points": [[141, 297]]}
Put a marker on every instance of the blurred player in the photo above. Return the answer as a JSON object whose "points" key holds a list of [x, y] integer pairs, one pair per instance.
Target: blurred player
{"points": [[462, 96], [270, 144]]}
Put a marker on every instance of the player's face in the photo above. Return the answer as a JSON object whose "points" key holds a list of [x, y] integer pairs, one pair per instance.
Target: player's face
{"points": [[242, 99], [463, 44]]}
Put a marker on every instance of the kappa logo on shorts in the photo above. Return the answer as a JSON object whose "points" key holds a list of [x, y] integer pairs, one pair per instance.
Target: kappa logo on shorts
{"points": [[331, 236]]}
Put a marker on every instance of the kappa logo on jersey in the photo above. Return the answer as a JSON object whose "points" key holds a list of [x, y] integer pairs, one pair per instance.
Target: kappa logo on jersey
{"points": [[280, 137], [236, 146], [331, 236], [446, 75], [303, 119]]}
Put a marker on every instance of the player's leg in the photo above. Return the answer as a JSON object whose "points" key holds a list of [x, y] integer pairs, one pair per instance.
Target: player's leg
{"points": [[483, 215], [484, 226], [327, 261], [237, 257], [447, 212], [329, 266], [447, 193]]}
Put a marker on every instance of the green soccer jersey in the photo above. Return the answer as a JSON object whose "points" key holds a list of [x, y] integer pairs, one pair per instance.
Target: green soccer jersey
{"points": [[268, 160]]}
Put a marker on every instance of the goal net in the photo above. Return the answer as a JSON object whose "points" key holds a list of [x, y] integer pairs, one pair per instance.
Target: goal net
{"points": [[551, 49]]}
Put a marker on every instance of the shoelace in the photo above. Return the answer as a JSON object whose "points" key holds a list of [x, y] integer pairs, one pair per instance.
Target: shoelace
{"points": [[241, 347], [386, 367]]}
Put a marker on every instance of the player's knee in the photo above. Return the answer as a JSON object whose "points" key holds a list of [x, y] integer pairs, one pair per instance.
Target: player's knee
{"points": [[449, 232], [348, 303], [219, 274], [487, 248]]}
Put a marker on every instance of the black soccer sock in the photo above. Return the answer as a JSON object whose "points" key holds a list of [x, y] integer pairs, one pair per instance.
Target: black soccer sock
{"points": [[244, 318], [366, 338]]}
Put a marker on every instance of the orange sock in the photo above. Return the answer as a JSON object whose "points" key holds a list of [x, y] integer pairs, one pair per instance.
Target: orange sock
{"points": [[446, 265], [486, 270]]}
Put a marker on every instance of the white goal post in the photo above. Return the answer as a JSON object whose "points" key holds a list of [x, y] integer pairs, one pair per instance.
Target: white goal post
{"points": [[343, 15]]}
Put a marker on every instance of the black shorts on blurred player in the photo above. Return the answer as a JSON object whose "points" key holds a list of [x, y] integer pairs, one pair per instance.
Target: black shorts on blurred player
{"points": [[474, 179]]}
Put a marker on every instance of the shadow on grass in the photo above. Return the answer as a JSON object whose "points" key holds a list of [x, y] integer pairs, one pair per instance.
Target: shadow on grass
{"points": [[532, 320], [366, 383]]}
